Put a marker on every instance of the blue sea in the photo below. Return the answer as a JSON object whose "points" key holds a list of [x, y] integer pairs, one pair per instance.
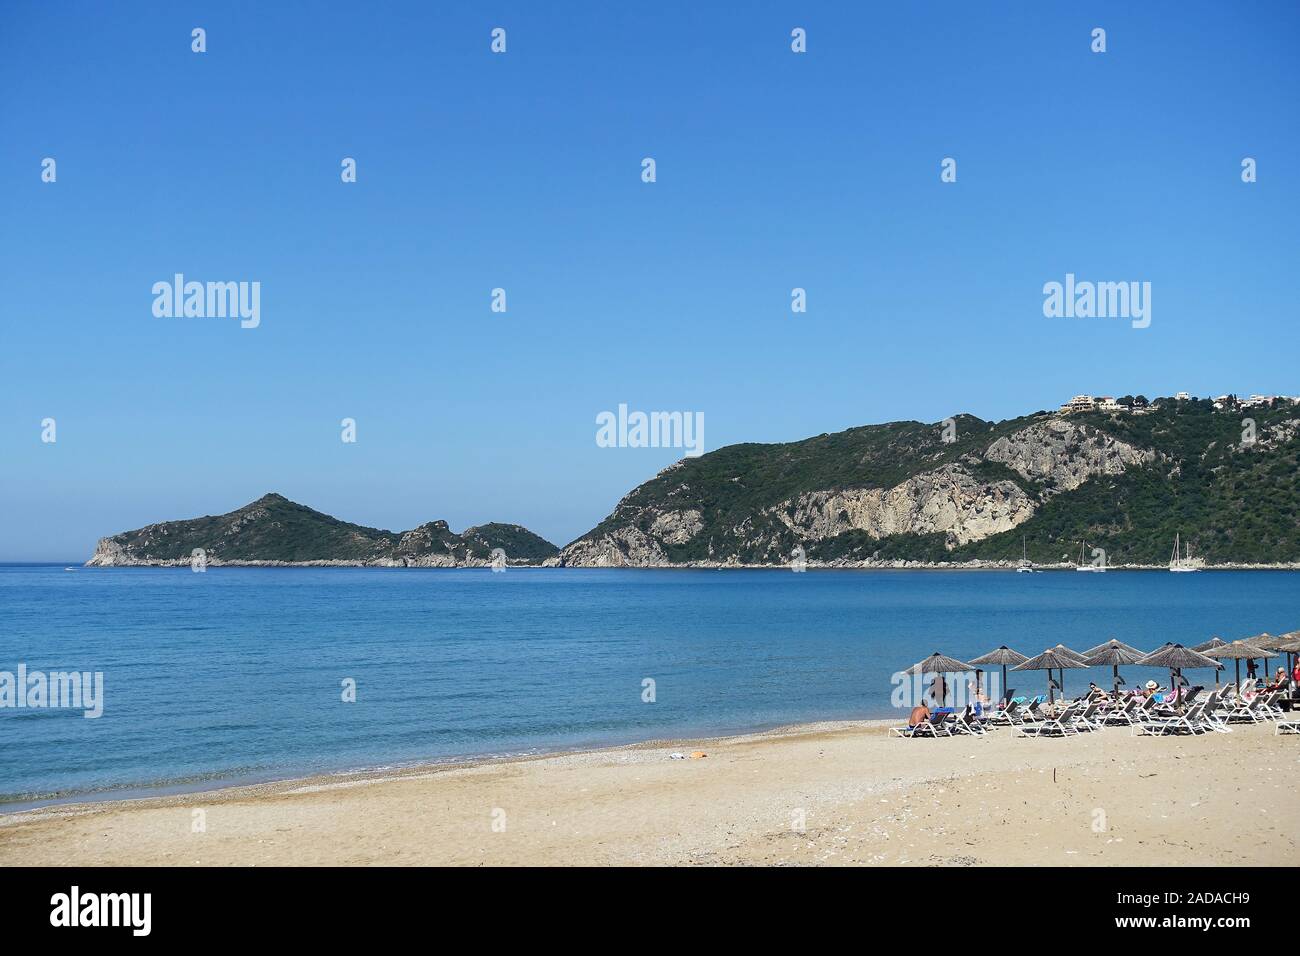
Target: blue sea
{"points": [[236, 675]]}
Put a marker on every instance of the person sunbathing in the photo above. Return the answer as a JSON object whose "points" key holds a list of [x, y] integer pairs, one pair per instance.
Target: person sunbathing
{"points": [[920, 714]]}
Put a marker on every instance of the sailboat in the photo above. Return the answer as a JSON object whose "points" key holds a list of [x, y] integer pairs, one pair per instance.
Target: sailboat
{"points": [[1026, 566], [1087, 567], [1177, 563]]}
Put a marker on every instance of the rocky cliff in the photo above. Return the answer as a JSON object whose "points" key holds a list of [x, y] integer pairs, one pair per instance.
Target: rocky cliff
{"points": [[964, 492], [902, 493]]}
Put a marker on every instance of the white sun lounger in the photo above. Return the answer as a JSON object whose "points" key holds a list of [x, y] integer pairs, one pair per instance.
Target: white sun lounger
{"points": [[1193, 722], [1121, 715], [968, 723], [934, 727], [1008, 716], [1059, 726]]}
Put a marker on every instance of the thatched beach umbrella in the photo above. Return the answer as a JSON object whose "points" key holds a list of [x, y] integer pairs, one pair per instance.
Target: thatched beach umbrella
{"points": [[1237, 651], [1177, 658], [937, 664], [1004, 656], [1078, 658], [1267, 642], [1051, 659], [1094, 651], [1206, 646], [1114, 653], [1288, 644]]}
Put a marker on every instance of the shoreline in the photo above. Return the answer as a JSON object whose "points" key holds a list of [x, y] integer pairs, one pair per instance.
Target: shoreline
{"points": [[253, 783], [219, 783], [901, 565], [836, 792]]}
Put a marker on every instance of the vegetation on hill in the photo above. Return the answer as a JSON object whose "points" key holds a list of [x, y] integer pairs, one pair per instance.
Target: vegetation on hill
{"points": [[1232, 501], [273, 528]]}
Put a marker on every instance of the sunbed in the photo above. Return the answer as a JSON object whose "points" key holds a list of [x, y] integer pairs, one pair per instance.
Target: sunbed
{"points": [[1060, 726], [1214, 714], [1270, 709], [934, 727], [1012, 715], [1121, 715], [1260, 707], [1088, 720], [1192, 722], [967, 722]]}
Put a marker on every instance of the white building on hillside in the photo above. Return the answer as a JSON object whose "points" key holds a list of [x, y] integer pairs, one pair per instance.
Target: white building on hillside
{"points": [[1080, 403]]}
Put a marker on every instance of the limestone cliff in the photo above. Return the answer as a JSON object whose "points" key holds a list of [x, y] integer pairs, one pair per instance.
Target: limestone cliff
{"points": [[970, 492]]}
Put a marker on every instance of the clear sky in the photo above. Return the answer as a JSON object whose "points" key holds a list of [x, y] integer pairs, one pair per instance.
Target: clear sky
{"points": [[523, 171]]}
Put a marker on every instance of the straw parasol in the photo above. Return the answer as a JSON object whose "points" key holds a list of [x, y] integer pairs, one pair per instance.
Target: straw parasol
{"points": [[1292, 643], [1206, 646], [1267, 642], [1075, 655], [1177, 658], [1236, 651], [1094, 651], [1289, 644], [1004, 656], [1114, 653], [1051, 659], [937, 663]]}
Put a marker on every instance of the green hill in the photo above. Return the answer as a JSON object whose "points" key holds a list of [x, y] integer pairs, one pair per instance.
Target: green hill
{"points": [[900, 492], [275, 530]]}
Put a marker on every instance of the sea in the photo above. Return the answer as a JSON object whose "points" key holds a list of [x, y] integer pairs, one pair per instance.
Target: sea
{"points": [[236, 675]]}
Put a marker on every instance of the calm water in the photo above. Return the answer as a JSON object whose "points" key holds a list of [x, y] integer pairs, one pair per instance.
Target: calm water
{"points": [[236, 674]]}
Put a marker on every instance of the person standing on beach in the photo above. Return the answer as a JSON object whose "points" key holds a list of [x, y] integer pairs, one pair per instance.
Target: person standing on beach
{"points": [[939, 690]]}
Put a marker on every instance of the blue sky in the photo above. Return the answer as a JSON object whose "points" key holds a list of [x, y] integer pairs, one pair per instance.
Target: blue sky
{"points": [[522, 171]]}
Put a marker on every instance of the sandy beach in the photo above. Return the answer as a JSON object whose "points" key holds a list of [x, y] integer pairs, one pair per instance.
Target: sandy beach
{"points": [[822, 794]]}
